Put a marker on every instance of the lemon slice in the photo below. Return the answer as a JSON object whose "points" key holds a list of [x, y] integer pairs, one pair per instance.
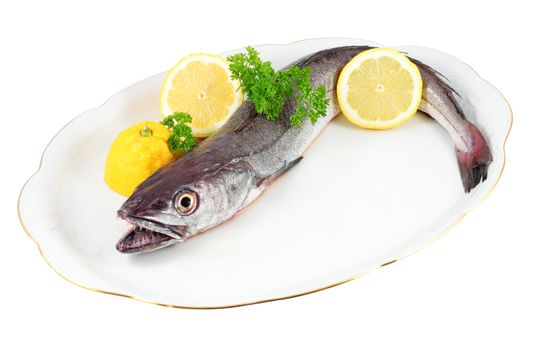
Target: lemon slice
{"points": [[200, 85], [379, 89]]}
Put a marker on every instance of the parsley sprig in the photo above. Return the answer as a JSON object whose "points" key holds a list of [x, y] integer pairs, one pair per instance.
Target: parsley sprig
{"points": [[269, 89], [181, 139]]}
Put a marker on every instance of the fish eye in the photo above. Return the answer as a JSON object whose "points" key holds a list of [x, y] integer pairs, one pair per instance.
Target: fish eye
{"points": [[186, 202]]}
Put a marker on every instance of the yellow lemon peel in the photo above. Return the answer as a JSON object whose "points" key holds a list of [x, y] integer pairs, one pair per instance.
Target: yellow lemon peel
{"points": [[135, 154], [379, 89]]}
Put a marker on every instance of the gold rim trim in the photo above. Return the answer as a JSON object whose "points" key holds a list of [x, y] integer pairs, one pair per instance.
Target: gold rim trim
{"points": [[438, 236]]}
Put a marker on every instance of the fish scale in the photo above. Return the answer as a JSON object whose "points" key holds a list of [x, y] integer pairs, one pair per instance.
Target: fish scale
{"points": [[230, 169]]}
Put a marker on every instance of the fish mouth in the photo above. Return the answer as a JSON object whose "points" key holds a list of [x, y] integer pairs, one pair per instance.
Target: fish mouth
{"points": [[147, 235]]}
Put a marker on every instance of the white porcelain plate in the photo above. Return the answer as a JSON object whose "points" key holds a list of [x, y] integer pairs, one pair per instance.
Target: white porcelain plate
{"points": [[359, 200]]}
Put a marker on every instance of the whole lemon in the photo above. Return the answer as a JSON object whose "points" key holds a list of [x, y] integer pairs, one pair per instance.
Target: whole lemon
{"points": [[135, 154]]}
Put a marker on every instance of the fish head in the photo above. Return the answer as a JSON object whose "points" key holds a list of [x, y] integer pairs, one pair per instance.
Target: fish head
{"points": [[182, 201]]}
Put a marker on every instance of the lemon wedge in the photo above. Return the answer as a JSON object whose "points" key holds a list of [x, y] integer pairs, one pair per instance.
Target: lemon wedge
{"points": [[379, 89], [200, 85]]}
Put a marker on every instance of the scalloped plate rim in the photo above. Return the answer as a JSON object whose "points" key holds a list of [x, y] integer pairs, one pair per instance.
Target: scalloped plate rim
{"points": [[109, 102]]}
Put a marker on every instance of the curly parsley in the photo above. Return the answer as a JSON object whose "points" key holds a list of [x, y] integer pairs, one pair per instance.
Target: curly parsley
{"points": [[269, 89], [181, 139]]}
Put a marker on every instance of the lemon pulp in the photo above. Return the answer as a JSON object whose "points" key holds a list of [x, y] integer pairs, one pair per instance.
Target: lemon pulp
{"points": [[379, 89], [201, 85]]}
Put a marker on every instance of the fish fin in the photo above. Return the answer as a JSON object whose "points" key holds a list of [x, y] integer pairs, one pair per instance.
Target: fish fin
{"points": [[447, 83], [238, 166], [474, 164], [450, 92], [441, 77], [245, 123], [288, 166]]}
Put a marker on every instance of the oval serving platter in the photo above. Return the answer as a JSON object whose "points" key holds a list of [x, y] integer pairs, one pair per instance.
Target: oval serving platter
{"points": [[359, 200]]}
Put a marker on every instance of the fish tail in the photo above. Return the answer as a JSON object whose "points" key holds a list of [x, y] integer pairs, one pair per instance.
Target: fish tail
{"points": [[474, 163]]}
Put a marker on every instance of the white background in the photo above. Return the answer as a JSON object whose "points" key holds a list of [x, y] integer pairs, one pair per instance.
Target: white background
{"points": [[472, 289]]}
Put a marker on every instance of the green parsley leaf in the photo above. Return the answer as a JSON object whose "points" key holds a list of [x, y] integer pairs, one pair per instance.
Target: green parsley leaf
{"points": [[181, 139], [269, 89]]}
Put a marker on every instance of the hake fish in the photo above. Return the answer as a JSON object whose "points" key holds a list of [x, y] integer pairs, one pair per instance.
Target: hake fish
{"points": [[229, 170]]}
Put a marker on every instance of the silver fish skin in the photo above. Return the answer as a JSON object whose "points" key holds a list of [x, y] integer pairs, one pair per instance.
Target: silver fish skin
{"points": [[230, 169], [439, 101]]}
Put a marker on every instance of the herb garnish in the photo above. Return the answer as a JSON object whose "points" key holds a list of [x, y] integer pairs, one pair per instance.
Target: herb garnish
{"points": [[269, 89], [181, 139]]}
